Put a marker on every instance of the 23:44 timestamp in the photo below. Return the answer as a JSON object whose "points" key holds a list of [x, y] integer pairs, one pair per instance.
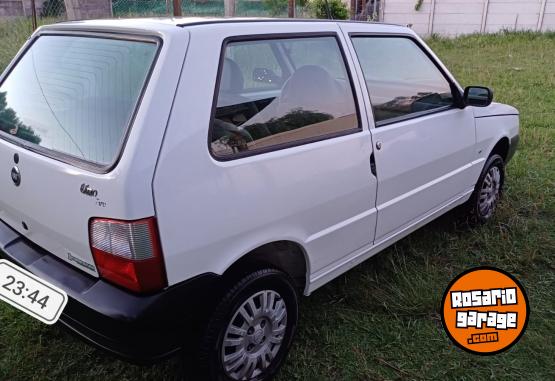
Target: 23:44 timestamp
{"points": [[18, 287]]}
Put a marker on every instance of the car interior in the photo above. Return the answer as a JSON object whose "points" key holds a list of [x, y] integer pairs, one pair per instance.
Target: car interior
{"points": [[302, 97]]}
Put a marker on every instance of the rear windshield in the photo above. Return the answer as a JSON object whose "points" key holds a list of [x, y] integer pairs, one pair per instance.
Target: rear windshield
{"points": [[75, 95]]}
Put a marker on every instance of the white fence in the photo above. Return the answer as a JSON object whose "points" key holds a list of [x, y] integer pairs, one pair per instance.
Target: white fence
{"points": [[454, 17]]}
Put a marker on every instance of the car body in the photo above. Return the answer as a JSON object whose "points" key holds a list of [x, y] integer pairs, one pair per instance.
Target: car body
{"points": [[312, 203]]}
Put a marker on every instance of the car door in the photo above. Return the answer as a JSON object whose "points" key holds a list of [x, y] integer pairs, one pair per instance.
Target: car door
{"points": [[424, 145], [288, 153]]}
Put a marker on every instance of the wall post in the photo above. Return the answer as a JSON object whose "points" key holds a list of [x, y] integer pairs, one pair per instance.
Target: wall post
{"points": [[431, 19], [485, 11], [177, 8], [34, 14], [229, 8], [541, 15]]}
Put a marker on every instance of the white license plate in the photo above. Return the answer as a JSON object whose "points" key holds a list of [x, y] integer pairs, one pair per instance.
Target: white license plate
{"points": [[30, 294]]}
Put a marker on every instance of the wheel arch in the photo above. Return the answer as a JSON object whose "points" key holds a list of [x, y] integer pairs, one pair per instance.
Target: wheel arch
{"points": [[285, 255], [501, 148]]}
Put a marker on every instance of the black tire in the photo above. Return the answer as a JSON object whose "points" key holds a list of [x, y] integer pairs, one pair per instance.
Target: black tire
{"points": [[211, 362], [478, 213]]}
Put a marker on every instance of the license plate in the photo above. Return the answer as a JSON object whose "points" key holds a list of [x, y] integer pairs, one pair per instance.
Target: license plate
{"points": [[30, 294]]}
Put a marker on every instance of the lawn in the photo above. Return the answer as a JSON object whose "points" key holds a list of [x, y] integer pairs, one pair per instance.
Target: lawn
{"points": [[381, 320]]}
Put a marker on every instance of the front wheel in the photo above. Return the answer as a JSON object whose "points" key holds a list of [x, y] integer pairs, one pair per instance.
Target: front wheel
{"points": [[487, 192], [251, 330]]}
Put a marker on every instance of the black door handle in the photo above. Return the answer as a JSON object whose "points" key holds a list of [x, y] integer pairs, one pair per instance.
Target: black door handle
{"points": [[373, 164]]}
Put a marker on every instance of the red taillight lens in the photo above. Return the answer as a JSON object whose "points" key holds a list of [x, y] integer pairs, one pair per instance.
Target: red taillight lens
{"points": [[128, 253]]}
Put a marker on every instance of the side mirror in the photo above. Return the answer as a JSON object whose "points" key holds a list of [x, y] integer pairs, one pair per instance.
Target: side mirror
{"points": [[264, 75], [477, 96]]}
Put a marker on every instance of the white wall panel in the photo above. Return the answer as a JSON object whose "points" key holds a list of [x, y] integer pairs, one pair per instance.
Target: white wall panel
{"points": [[455, 17]]}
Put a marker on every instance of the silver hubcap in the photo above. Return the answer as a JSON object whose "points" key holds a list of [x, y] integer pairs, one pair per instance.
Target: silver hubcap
{"points": [[254, 335], [489, 194]]}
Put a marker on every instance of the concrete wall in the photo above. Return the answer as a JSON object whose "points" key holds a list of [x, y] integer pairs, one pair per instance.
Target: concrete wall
{"points": [[454, 17], [11, 8], [18, 8], [27, 6], [88, 9]]}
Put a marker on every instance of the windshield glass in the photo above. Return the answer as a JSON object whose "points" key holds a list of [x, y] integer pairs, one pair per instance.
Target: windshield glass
{"points": [[75, 95]]}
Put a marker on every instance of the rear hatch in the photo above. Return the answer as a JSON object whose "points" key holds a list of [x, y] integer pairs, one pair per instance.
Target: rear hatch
{"points": [[66, 107]]}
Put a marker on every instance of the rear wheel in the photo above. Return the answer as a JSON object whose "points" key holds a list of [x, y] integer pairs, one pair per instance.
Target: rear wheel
{"points": [[487, 192], [251, 330]]}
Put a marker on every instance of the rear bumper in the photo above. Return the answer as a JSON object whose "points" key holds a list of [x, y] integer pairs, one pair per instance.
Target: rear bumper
{"points": [[138, 328]]}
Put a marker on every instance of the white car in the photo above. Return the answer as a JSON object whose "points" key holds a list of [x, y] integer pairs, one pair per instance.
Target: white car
{"points": [[186, 180]]}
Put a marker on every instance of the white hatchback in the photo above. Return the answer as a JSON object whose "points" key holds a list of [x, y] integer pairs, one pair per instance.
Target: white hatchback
{"points": [[185, 180]]}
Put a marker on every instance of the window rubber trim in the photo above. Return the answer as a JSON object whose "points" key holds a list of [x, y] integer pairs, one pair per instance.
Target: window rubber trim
{"points": [[67, 158], [457, 96], [296, 143]]}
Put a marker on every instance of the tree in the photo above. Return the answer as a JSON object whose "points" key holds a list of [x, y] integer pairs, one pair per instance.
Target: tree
{"points": [[330, 9]]}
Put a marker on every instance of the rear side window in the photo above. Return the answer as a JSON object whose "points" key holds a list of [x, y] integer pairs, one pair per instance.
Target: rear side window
{"points": [[75, 95], [280, 92], [401, 79]]}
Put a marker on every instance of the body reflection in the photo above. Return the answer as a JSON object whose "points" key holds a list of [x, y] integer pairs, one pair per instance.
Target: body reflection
{"points": [[310, 98], [75, 95], [10, 123]]}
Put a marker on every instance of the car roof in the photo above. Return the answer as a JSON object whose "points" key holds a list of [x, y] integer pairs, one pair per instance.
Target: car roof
{"points": [[174, 24]]}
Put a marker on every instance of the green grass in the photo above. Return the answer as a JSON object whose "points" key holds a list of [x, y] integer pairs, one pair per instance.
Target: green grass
{"points": [[381, 320], [13, 35]]}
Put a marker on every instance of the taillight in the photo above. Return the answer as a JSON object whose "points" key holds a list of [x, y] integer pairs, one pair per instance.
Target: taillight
{"points": [[128, 253]]}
